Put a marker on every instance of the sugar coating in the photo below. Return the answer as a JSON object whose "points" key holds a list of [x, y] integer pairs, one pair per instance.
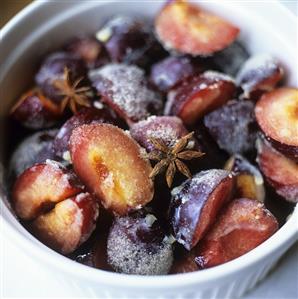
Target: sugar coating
{"points": [[210, 178], [189, 199], [214, 75], [255, 70], [127, 88], [127, 256], [26, 153], [233, 126], [168, 129]]}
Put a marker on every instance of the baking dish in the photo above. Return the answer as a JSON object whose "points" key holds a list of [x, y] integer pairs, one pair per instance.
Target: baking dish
{"points": [[44, 26]]}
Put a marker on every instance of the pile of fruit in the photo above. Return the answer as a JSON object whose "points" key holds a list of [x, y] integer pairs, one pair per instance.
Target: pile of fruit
{"points": [[153, 149]]}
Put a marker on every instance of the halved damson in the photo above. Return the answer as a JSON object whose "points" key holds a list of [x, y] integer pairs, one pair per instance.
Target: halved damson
{"points": [[40, 187], [187, 28], [280, 172], [69, 224], [277, 115], [199, 95], [196, 203], [110, 163], [244, 225]]}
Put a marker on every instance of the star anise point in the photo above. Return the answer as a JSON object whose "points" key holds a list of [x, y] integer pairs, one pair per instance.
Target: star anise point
{"points": [[73, 96], [169, 157]]}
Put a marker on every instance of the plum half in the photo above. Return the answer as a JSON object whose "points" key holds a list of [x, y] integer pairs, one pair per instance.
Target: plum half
{"points": [[243, 225], [199, 95], [260, 73], [35, 111], [168, 129], [187, 28], [110, 163], [196, 203], [69, 224], [279, 171], [277, 115], [40, 187]]}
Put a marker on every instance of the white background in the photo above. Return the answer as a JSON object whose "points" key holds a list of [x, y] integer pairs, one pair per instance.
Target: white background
{"points": [[22, 277]]}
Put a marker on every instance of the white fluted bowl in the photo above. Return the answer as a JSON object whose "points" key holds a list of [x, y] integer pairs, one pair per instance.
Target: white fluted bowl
{"points": [[43, 26]]}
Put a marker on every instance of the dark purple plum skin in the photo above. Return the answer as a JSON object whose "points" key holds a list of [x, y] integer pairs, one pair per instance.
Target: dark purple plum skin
{"points": [[172, 70], [52, 68], [289, 151], [259, 76], [82, 117], [138, 231], [36, 148], [139, 131], [214, 157], [230, 60], [132, 41], [144, 250], [33, 114], [188, 202], [89, 49], [192, 87], [233, 126]]}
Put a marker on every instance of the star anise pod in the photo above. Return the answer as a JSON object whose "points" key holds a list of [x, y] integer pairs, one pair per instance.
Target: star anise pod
{"points": [[169, 157], [74, 96]]}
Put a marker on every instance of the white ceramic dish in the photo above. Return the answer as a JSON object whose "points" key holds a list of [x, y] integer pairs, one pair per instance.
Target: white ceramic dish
{"points": [[266, 27]]}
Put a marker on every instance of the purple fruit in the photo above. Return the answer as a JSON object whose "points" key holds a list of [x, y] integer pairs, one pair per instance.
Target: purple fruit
{"points": [[130, 41], [171, 71], [233, 126], [230, 60], [53, 68], [168, 129], [36, 148], [88, 49], [126, 90], [138, 245], [196, 203], [34, 111], [259, 74], [84, 116]]}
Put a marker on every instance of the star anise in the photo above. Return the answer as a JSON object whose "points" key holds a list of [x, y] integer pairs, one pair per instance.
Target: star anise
{"points": [[73, 96], [169, 157]]}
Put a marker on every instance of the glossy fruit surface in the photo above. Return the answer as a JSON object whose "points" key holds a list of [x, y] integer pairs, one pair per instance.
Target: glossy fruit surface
{"points": [[110, 164], [199, 95], [187, 28], [277, 115], [244, 225], [196, 203], [40, 187], [172, 70], [68, 224], [279, 171]]}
